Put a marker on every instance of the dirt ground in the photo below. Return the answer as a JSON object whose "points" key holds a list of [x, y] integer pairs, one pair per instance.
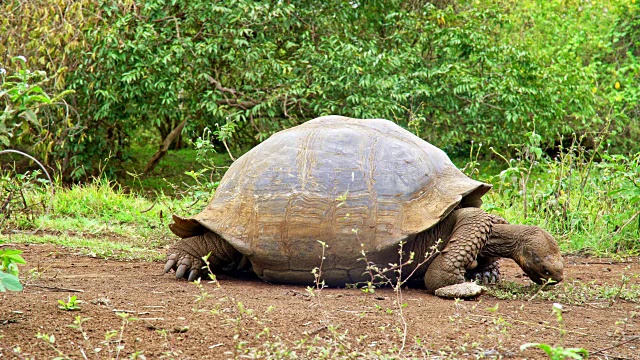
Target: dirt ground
{"points": [[247, 317]]}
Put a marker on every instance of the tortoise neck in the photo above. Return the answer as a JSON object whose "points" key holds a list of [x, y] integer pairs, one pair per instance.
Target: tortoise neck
{"points": [[505, 241]]}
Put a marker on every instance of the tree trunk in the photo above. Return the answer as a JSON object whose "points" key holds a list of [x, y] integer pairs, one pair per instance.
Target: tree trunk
{"points": [[165, 129], [164, 147]]}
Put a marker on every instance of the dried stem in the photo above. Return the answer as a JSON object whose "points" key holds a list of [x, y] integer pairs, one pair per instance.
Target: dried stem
{"points": [[53, 190]]}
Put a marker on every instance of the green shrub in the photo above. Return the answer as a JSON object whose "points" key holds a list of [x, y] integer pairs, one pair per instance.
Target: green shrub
{"points": [[47, 36], [24, 100]]}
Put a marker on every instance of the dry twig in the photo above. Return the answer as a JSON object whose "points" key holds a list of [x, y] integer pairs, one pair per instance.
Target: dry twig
{"points": [[54, 288]]}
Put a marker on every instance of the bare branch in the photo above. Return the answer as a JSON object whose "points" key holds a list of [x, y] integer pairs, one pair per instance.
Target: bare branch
{"points": [[222, 88], [53, 190], [245, 105]]}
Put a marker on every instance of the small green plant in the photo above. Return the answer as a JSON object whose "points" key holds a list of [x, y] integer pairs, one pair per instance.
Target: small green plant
{"points": [[396, 275], [111, 337], [558, 352], [50, 340], [71, 305], [317, 274], [9, 260]]}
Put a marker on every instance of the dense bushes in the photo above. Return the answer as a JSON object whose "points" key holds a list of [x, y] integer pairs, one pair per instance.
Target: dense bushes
{"points": [[259, 67], [621, 71], [487, 72], [599, 37]]}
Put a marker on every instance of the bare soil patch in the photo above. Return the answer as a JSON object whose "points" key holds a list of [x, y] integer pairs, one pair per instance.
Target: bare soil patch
{"points": [[175, 320]]}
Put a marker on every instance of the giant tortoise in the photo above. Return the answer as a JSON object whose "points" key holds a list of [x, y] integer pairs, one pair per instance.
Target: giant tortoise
{"points": [[355, 185]]}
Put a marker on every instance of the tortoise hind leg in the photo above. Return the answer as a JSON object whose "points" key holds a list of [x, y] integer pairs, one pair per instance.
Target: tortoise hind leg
{"points": [[470, 234], [185, 257]]}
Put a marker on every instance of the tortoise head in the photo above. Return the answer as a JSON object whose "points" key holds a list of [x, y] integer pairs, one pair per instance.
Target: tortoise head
{"points": [[540, 256]]}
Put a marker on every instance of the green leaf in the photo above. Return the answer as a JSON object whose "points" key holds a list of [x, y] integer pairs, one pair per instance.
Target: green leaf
{"points": [[30, 116], [575, 353], [537, 151], [43, 99], [16, 259], [9, 282], [10, 252], [12, 255], [545, 347]]}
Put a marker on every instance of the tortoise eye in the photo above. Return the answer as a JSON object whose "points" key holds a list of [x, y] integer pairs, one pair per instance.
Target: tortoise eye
{"points": [[545, 271]]}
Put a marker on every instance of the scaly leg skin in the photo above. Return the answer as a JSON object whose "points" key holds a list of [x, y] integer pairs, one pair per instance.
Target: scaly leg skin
{"points": [[185, 257], [470, 234], [487, 271]]}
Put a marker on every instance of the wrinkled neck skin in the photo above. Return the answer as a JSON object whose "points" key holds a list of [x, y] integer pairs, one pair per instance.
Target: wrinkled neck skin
{"points": [[506, 241]]}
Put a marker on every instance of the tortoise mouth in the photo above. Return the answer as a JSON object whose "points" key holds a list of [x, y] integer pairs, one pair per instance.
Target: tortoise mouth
{"points": [[548, 280]]}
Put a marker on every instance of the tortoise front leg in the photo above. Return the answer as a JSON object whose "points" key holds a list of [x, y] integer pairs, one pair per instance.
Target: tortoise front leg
{"points": [[185, 257], [470, 234], [487, 270]]}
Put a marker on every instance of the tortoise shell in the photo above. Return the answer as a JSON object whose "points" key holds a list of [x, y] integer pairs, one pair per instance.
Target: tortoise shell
{"points": [[354, 184]]}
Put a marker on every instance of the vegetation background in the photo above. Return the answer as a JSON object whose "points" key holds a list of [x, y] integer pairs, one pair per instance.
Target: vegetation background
{"points": [[538, 97]]}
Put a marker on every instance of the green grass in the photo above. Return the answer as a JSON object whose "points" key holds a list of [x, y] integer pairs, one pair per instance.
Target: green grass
{"points": [[98, 219], [102, 246], [100, 206], [587, 199]]}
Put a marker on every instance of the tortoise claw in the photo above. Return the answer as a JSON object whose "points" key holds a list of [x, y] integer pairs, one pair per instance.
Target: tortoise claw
{"points": [[169, 265], [182, 269], [194, 274], [484, 277], [488, 279], [186, 265]]}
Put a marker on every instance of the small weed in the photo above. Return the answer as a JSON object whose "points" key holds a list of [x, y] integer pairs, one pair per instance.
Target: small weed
{"points": [[558, 352], [170, 352], [71, 305], [50, 340], [396, 275]]}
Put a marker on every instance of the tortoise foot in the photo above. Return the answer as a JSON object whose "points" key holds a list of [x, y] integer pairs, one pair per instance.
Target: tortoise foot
{"points": [[185, 265], [484, 277], [489, 274]]}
